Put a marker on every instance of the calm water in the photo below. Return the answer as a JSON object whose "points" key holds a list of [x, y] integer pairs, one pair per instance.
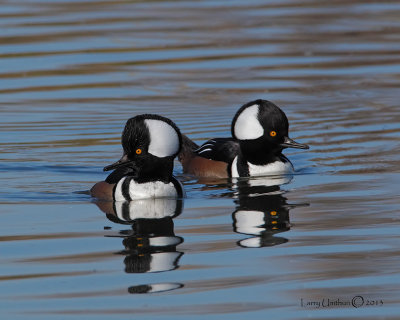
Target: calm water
{"points": [[72, 73]]}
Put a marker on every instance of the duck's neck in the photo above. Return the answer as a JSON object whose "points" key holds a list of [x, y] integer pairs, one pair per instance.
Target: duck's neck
{"points": [[259, 156], [161, 171]]}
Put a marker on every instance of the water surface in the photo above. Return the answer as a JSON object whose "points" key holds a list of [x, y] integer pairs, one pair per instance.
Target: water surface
{"points": [[323, 245]]}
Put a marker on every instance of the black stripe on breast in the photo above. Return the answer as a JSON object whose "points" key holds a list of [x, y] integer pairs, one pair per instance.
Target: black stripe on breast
{"points": [[178, 187], [284, 159], [113, 193], [242, 167], [125, 188]]}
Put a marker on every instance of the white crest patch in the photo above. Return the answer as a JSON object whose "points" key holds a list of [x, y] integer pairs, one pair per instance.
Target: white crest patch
{"points": [[164, 140], [247, 126]]}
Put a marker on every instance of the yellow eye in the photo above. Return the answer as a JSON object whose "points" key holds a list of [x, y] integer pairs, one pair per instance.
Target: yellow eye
{"points": [[273, 213], [138, 151], [272, 133]]}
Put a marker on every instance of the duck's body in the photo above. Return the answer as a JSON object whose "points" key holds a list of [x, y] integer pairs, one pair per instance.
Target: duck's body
{"points": [[242, 168], [259, 134], [128, 189], [150, 144], [198, 165]]}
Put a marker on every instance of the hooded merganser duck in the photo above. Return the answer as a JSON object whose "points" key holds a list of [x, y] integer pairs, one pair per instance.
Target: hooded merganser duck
{"points": [[150, 143], [260, 131]]}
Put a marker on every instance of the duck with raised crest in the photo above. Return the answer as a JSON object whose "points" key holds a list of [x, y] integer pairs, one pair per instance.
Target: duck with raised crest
{"points": [[150, 143], [260, 131]]}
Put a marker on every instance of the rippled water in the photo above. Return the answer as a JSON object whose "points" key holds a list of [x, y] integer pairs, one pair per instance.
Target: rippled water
{"points": [[325, 245]]}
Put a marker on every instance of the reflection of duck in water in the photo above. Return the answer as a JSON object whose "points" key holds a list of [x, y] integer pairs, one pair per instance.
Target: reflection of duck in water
{"points": [[262, 212], [151, 244]]}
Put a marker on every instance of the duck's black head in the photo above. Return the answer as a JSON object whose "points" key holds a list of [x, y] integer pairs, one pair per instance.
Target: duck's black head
{"points": [[262, 129], [150, 143]]}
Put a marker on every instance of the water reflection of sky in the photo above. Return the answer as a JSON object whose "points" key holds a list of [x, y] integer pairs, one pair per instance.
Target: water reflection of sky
{"points": [[73, 72]]}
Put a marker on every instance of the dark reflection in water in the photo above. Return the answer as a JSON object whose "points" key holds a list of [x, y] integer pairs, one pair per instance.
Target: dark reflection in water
{"points": [[151, 244], [261, 211], [156, 287]]}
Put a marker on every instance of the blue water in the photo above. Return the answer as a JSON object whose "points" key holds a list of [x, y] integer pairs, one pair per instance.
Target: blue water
{"points": [[73, 72]]}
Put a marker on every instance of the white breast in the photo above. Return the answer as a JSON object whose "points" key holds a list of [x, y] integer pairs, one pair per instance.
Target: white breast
{"points": [[274, 168], [155, 189]]}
